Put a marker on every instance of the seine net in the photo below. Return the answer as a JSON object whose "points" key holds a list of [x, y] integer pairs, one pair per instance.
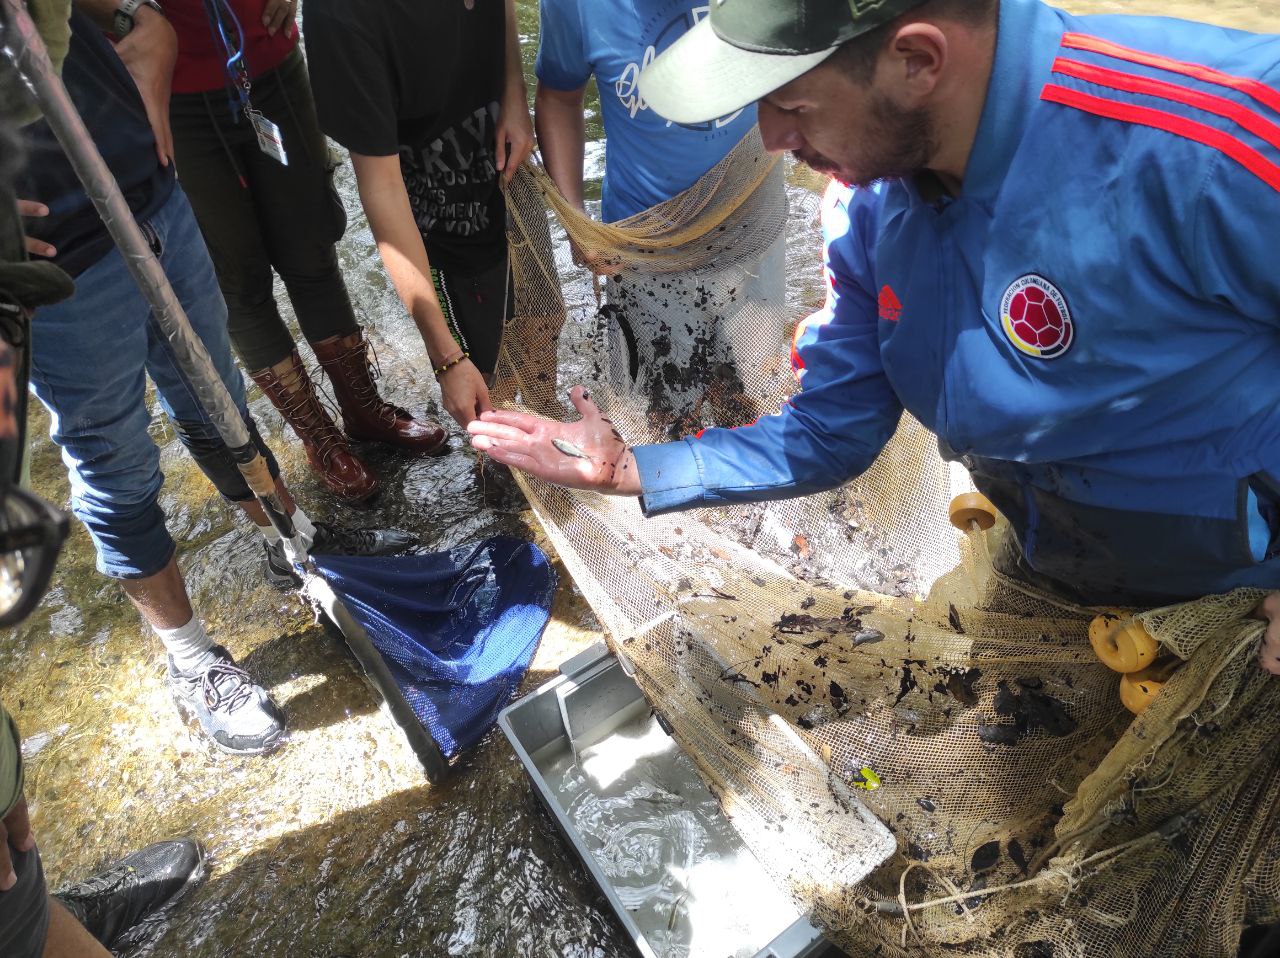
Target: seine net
{"points": [[927, 754]]}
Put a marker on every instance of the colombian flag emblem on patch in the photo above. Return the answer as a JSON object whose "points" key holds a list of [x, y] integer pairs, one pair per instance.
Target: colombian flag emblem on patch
{"points": [[1035, 317]]}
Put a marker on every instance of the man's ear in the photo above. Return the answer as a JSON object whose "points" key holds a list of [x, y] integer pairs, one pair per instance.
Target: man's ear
{"points": [[916, 57]]}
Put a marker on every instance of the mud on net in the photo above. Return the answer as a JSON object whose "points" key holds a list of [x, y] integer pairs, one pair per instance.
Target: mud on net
{"points": [[850, 654]]}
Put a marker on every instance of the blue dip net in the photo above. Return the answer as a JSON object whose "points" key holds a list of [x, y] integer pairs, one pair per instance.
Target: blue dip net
{"points": [[456, 629]]}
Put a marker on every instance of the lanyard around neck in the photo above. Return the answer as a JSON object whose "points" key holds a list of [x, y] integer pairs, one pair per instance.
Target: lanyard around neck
{"points": [[229, 35]]}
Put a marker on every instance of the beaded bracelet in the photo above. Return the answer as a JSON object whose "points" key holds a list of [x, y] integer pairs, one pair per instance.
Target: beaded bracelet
{"points": [[446, 366]]}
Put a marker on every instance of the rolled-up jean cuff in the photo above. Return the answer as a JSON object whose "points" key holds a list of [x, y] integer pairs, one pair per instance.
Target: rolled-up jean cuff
{"points": [[129, 546], [123, 572]]}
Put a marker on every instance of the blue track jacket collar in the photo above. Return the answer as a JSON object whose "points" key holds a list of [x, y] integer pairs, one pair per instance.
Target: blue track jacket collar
{"points": [[1026, 44]]}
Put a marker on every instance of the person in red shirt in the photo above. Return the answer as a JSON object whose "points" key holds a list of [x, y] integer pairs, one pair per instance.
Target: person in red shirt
{"points": [[257, 169]]}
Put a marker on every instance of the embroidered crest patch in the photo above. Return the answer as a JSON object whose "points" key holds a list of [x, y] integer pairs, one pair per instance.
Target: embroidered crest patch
{"points": [[1035, 317]]}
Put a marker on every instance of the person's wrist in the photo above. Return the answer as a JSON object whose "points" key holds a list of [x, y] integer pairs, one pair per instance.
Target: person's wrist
{"points": [[132, 14], [1269, 607], [445, 366], [626, 475], [155, 32], [147, 13], [446, 354], [515, 90]]}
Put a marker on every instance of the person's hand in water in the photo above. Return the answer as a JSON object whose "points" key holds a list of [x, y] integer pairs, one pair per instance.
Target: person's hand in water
{"points": [[464, 392], [587, 454]]}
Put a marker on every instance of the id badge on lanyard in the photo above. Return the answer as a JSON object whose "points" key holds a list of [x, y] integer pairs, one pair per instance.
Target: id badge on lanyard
{"points": [[270, 140]]}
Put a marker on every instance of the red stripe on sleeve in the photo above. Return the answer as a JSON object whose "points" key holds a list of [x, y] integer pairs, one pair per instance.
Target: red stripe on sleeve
{"points": [[1217, 105], [1246, 156], [1268, 96]]}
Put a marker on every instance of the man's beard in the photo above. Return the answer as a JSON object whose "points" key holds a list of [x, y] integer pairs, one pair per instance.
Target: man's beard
{"points": [[896, 145]]}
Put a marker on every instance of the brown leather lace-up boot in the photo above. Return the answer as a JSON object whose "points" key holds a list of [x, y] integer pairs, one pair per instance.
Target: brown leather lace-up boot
{"points": [[364, 413], [291, 391]]}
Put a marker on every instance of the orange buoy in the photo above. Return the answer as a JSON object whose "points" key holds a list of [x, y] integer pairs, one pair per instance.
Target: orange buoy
{"points": [[1139, 689], [972, 512], [1121, 643]]}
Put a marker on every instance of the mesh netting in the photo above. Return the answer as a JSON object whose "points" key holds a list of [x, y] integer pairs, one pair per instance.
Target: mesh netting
{"points": [[850, 654]]}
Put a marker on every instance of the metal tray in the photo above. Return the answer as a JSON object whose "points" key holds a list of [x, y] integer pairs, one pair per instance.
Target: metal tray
{"points": [[681, 882]]}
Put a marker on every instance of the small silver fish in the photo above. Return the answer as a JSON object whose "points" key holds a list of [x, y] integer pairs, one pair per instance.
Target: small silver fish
{"points": [[675, 910], [569, 449], [662, 798]]}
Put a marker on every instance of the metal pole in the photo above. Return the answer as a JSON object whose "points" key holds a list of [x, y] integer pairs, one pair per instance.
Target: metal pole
{"points": [[24, 44]]}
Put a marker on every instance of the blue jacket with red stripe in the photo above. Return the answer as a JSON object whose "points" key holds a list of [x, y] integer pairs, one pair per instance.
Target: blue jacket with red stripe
{"points": [[1092, 326]]}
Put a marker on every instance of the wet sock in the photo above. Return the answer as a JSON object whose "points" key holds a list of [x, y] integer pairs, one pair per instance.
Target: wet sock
{"points": [[301, 522], [188, 645]]}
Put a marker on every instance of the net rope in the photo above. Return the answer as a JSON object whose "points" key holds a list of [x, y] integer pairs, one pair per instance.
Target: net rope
{"points": [[848, 662]]}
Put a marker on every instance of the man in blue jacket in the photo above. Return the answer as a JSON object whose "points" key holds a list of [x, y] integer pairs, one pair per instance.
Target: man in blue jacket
{"points": [[1056, 252]]}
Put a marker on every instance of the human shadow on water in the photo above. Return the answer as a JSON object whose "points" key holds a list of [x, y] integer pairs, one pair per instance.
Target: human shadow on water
{"points": [[426, 871]]}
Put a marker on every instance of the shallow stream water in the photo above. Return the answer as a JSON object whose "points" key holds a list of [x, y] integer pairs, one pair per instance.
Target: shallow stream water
{"points": [[335, 845]]}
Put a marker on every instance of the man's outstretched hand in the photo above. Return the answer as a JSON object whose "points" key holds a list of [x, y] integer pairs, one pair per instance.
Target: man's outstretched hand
{"points": [[587, 454], [1269, 654]]}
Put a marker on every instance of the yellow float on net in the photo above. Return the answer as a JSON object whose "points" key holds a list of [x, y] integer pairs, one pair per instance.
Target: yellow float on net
{"points": [[1138, 689], [1121, 643], [972, 512]]}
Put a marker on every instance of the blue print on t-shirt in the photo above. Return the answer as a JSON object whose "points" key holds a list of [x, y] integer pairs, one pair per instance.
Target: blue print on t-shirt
{"points": [[648, 159]]}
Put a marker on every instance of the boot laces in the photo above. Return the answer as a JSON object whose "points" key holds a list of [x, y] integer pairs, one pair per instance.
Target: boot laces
{"points": [[301, 403], [89, 892], [360, 540], [365, 388], [345, 541]]}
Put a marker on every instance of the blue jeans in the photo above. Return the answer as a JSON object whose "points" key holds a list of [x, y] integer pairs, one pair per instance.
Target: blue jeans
{"points": [[90, 358]]}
